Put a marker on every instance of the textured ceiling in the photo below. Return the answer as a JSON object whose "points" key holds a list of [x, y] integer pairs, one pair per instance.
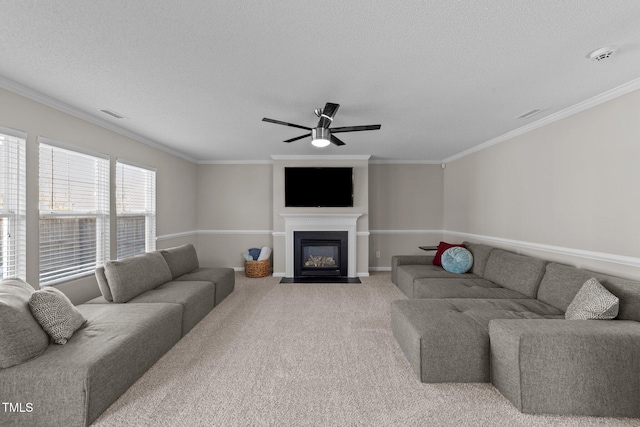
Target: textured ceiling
{"points": [[197, 76]]}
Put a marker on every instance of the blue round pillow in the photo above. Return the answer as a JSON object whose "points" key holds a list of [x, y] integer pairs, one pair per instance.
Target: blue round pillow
{"points": [[457, 260]]}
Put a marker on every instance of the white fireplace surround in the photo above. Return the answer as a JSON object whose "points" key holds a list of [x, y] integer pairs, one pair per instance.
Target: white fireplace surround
{"points": [[320, 222]]}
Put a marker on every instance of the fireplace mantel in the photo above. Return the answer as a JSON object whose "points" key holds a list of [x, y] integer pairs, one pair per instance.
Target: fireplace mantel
{"points": [[320, 222]]}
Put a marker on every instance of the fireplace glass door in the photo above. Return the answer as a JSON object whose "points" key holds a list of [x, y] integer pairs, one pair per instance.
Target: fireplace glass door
{"points": [[320, 258], [320, 253]]}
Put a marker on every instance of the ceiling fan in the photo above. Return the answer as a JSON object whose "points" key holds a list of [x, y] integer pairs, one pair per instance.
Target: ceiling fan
{"points": [[321, 135]]}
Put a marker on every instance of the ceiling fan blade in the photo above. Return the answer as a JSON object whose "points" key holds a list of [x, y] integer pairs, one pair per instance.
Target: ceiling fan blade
{"points": [[336, 141], [297, 138], [330, 110], [278, 122], [355, 128]]}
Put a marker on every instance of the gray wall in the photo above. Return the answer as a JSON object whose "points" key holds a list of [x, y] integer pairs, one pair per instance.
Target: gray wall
{"points": [[176, 178], [405, 210], [234, 211], [567, 191]]}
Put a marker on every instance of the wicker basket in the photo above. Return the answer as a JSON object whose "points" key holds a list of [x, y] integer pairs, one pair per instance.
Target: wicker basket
{"points": [[256, 269]]}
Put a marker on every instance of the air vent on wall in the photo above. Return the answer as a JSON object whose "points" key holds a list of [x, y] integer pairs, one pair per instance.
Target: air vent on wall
{"points": [[113, 114]]}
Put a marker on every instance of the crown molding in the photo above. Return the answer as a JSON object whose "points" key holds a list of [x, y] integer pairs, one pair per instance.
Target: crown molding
{"points": [[616, 92], [235, 162], [321, 157], [405, 232], [404, 162], [34, 95]]}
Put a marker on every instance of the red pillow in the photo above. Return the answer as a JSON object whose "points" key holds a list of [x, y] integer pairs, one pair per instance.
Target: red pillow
{"points": [[443, 246]]}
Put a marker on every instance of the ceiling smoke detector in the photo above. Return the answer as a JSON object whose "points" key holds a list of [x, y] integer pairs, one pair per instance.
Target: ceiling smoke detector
{"points": [[602, 53]]}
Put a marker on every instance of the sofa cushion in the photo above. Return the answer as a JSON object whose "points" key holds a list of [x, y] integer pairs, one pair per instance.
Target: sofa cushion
{"points": [[518, 272], [103, 284], [457, 260], [561, 283], [135, 275], [55, 313], [462, 288], [223, 277], [196, 298], [447, 340], [399, 260], [593, 302], [480, 256], [567, 368], [406, 274], [21, 337], [72, 384], [181, 259], [443, 246], [628, 291]]}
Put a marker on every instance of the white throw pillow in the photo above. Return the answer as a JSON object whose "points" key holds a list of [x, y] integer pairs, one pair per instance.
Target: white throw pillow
{"points": [[593, 302]]}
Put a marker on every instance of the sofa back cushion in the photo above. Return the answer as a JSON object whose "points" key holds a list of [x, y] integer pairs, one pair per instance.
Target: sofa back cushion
{"points": [[561, 283], [627, 290], [181, 259], [21, 337], [130, 277], [103, 285], [520, 273], [480, 257]]}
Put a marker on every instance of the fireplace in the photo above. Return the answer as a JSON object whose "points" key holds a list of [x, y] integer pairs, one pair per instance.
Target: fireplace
{"points": [[323, 222], [320, 253]]}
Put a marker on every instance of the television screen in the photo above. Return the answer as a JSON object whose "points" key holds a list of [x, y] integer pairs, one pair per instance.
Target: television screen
{"points": [[318, 187]]}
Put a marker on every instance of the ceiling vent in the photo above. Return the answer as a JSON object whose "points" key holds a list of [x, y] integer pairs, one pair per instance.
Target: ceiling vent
{"points": [[531, 113], [602, 53], [113, 114]]}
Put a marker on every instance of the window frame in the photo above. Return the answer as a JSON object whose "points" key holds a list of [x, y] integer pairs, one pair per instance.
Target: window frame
{"points": [[101, 209], [148, 192], [13, 209]]}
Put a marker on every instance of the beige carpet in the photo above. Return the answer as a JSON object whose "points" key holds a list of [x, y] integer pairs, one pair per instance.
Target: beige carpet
{"points": [[307, 355]]}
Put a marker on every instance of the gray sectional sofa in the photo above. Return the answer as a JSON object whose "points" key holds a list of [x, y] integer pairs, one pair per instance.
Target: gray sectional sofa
{"points": [[148, 303], [504, 322]]}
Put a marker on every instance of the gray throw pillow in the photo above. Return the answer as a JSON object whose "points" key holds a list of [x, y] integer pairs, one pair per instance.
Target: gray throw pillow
{"points": [[56, 314], [593, 302], [21, 337]]}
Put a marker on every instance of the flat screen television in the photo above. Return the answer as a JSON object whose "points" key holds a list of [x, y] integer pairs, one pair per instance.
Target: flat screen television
{"points": [[329, 187]]}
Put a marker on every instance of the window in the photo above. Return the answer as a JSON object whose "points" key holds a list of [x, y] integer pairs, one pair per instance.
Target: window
{"points": [[135, 209], [12, 203], [74, 212]]}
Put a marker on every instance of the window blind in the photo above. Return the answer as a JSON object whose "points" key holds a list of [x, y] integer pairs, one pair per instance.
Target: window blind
{"points": [[12, 204], [135, 209], [74, 213]]}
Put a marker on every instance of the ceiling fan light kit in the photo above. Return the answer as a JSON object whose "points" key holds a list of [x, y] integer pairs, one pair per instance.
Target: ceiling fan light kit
{"points": [[321, 135]]}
